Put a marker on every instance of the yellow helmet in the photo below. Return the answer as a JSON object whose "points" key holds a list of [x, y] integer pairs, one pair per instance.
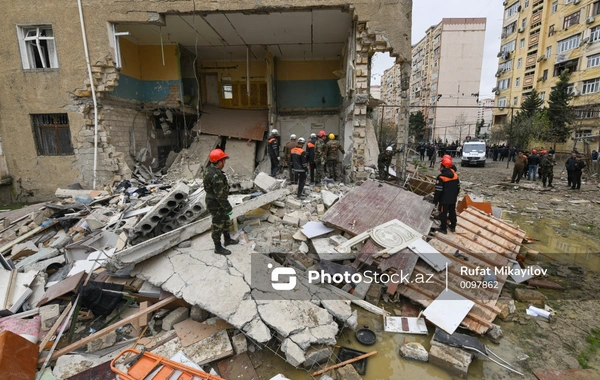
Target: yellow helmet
{"points": [[331, 136]]}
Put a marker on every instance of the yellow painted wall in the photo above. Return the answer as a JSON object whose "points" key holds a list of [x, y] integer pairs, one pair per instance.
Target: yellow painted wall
{"points": [[257, 70], [307, 70], [130, 58], [152, 66]]}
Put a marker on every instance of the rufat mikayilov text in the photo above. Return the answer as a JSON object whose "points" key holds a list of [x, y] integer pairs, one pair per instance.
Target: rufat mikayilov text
{"points": [[502, 271]]}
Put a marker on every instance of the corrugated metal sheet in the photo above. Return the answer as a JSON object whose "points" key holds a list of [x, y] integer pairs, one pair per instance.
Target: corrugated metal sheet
{"points": [[374, 203], [244, 124]]}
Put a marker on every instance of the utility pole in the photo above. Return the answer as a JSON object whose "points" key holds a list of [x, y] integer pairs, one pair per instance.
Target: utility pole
{"points": [[404, 86], [512, 109]]}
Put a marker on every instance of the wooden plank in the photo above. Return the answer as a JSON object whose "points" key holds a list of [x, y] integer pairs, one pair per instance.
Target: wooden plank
{"points": [[492, 259], [190, 331], [67, 285], [493, 229], [110, 328], [481, 240], [496, 238], [144, 319], [374, 203], [510, 228]]}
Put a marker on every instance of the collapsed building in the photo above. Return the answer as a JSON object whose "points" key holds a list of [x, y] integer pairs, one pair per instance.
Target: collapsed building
{"points": [[149, 78]]}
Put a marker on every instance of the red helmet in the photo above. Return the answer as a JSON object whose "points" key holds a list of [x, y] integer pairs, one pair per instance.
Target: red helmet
{"points": [[534, 151], [544, 152], [446, 161], [321, 133], [217, 155]]}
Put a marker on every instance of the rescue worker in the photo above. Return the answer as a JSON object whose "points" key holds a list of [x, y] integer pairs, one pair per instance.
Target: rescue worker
{"points": [[431, 154], [520, 164], [217, 191], [320, 156], [333, 146], [384, 161], [300, 165], [547, 164], [287, 150], [310, 149], [577, 171], [447, 188], [533, 161], [570, 167], [273, 149]]}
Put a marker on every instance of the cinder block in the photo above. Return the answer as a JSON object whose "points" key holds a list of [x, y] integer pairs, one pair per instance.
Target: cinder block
{"points": [[291, 220], [176, 316], [240, 344]]}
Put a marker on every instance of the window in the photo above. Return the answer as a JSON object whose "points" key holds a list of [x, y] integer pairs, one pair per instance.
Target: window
{"points": [[519, 63], [52, 134], [513, 9], [548, 52], [502, 102], [517, 82], [522, 43], [436, 40], [505, 66], [524, 23], [551, 31], [595, 34], [227, 87], [587, 112], [436, 52], [509, 29], [545, 75], [591, 86], [526, 3], [568, 2], [37, 47], [515, 100], [593, 60], [554, 7], [571, 88], [596, 8], [509, 46], [568, 43], [572, 19], [504, 84], [570, 65]]}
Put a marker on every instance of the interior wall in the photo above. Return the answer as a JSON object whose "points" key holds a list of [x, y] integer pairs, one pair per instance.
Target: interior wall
{"points": [[308, 84], [303, 126]]}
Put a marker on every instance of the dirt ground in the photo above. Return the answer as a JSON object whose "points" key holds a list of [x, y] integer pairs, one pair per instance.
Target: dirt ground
{"points": [[565, 225]]}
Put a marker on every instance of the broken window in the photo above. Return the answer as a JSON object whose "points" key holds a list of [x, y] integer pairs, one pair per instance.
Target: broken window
{"points": [[37, 47], [52, 134], [227, 87]]}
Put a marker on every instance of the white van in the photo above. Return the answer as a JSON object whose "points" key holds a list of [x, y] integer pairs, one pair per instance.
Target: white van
{"points": [[473, 153]]}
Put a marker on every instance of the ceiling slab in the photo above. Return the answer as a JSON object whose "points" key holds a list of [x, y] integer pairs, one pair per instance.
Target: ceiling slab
{"points": [[273, 28], [330, 25], [182, 28], [220, 23]]}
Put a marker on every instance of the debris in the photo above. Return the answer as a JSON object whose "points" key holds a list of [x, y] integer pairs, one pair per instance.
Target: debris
{"points": [[537, 312], [175, 316], [454, 360], [342, 364], [530, 296], [14, 290], [315, 356], [348, 372], [238, 367], [329, 198], [190, 331], [405, 325], [414, 351], [49, 315], [314, 229], [266, 183], [448, 310]]}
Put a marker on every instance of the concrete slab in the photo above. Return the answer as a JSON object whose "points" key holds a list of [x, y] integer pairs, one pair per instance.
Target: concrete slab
{"points": [[326, 251], [240, 165], [329, 198], [266, 183]]}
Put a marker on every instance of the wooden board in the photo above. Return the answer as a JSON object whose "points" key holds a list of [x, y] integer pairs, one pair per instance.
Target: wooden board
{"points": [[190, 331], [374, 203], [66, 286], [238, 367]]}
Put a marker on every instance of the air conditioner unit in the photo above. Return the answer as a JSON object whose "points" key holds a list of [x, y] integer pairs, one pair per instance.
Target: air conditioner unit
{"points": [[521, 30], [505, 2], [503, 35], [576, 1], [584, 41], [575, 93], [499, 54], [495, 89], [589, 20], [541, 58]]}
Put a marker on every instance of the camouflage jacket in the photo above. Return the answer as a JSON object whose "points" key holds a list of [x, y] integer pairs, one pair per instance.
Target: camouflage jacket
{"points": [[333, 146], [384, 159], [216, 187], [320, 150], [547, 163]]}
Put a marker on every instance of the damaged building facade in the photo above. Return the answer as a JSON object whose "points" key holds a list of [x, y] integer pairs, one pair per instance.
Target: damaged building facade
{"points": [[163, 72]]}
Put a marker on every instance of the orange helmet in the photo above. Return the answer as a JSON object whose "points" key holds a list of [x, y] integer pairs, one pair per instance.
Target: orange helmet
{"points": [[321, 133], [534, 151], [544, 152], [446, 161], [217, 155]]}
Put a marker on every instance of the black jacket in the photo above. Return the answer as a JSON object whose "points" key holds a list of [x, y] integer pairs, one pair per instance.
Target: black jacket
{"points": [[298, 158], [533, 159], [310, 149], [570, 163], [579, 165], [446, 187], [274, 146]]}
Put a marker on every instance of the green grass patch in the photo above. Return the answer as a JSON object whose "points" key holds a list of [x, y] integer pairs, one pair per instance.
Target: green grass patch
{"points": [[594, 343]]}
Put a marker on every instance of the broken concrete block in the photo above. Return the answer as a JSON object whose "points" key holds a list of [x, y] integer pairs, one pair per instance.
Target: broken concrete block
{"points": [[279, 204], [337, 240], [320, 209], [290, 220], [102, 342], [414, 351], [495, 332], [305, 261], [198, 314], [374, 294], [452, 359], [341, 311], [294, 203], [361, 289], [166, 204], [300, 236], [316, 356], [348, 372], [273, 219], [326, 251], [329, 198], [240, 344], [303, 248], [506, 306], [266, 183], [293, 353], [176, 316], [48, 316], [531, 296]]}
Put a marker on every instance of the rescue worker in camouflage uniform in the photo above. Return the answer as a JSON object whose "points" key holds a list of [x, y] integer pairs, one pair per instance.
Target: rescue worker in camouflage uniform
{"points": [[320, 156], [333, 146], [217, 191], [383, 163], [547, 164]]}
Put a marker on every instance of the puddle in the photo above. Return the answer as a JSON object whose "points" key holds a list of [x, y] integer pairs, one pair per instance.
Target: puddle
{"points": [[576, 248]]}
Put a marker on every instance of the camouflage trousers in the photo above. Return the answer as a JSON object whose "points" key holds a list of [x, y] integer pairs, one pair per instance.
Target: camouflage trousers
{"points": [[319, 168], [220, 221], [547, 176], [383, 172], [332, 169]]}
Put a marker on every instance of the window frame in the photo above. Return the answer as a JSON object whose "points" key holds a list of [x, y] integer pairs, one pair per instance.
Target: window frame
{"points": [[511, 10], [29, 51], [502, 102], [593, 60], [38, 125], [595, 33], [572, 19], [591, 86], [568, 43], [517, 81], [554, 7]]}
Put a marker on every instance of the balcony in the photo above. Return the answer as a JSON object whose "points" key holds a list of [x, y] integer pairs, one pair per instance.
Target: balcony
{"points": [[536, 18], [533, 40], [528, 80], [531, 60]]}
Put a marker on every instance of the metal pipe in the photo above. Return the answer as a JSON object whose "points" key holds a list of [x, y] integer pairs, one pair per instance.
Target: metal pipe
{"points": [[89, 67], [248, 72]]}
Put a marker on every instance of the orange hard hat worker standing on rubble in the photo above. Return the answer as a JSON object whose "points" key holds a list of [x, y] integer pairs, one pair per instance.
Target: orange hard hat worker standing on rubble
{"points": [[447, 188], [217, 191]]}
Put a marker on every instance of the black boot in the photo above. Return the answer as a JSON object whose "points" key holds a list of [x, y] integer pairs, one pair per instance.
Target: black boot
{"points": [[229, 240], [220, 250]]}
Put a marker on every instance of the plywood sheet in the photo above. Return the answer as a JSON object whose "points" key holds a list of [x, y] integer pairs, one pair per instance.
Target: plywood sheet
{"points": [[238, 367], [244, 124], [66, 286], [190, 331], [374, 203]]}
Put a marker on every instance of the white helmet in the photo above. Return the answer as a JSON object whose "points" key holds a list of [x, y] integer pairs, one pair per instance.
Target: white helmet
{"points": [[301, 140], [292, 137], [274, 132], [389, 149], [313, 135]]}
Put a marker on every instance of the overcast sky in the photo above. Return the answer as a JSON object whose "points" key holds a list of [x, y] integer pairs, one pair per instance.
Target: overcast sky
{"points": [[430, 12]]}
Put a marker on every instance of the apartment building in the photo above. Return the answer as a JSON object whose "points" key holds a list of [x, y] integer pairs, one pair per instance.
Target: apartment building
{"points": [[540, 40], [445, 78]]}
